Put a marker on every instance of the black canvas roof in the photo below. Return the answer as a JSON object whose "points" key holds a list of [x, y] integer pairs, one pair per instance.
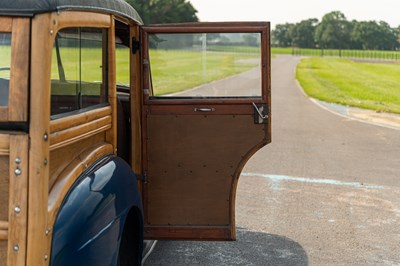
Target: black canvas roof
{"points": [[32, 7]]}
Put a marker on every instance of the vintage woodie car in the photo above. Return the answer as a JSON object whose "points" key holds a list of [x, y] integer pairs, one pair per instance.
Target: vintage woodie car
{"points": [[112, 132]]}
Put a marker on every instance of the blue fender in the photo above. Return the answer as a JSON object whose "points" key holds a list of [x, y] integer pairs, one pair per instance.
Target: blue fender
{"points": [[90, 223]]}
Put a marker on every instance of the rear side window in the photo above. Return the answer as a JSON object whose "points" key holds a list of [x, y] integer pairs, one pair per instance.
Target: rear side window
{"points": [[79, 70], [5, 63]]}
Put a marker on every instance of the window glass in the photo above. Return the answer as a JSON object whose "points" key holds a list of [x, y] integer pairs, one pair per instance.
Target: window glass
{"points": [[205, 64], [122, 58], [78, 72], [5, 62]]}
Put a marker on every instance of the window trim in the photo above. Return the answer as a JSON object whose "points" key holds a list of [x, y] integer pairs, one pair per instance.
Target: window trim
{"points": [[17, 108], [104, 74], [206, 27]]}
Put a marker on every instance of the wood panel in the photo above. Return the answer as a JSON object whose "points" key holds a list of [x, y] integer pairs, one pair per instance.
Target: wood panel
{"points": [[44, 29], [3, 113], [5, 24], [3, 230], [62, 157], [136, 108], [18, 86], [3, 251], [4, 144], [79, 119], [77, 133], [206, 27], [41, 47], [193, 165], [189, 232], [4, 187], [18, 98], [18, 202]]}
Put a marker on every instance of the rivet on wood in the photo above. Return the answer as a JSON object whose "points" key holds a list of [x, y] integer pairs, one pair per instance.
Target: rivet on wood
{"points": [[45, 136], [17, 209], [45, 162], [16, 248], [17, 160], [17, 171]]}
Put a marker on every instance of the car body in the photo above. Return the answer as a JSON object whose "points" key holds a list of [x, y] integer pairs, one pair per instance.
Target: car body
{"points": [[94, 156]]}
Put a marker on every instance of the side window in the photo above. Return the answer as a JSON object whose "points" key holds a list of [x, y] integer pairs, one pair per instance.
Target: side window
{"points": [[205, 64], [5, 63], [79, 70], [122, 54]]}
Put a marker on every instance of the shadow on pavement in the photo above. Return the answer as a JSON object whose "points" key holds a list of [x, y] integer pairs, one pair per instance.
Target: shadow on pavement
{"points": [[250, 248]]}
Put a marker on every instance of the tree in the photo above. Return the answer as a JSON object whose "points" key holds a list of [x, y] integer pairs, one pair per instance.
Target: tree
{"points": [[164, 11], [371, 35], [388, 36], [281, 35], [333, 31], [302, 33]]}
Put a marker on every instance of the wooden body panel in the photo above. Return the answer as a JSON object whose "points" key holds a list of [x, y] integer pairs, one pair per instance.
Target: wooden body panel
{"points": [[183, 152], [61, 145], [4, 194], [4, 187], [195, 148], [17, 109], [13, 197]]}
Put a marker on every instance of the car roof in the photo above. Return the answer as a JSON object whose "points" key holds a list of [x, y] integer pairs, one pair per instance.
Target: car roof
{"points": [[32, 7]]}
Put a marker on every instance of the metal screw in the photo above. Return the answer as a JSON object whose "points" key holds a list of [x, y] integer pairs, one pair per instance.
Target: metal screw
{"points": [[16, 248], [46, 257], [17, 160], [18, 171], [45, 161], [45, 136], [51, 32], [48, 231], [17, 209]]}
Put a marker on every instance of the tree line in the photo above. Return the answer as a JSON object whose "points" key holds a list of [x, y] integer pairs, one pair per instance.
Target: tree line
{"points": [[164, 11], [334, 31]]}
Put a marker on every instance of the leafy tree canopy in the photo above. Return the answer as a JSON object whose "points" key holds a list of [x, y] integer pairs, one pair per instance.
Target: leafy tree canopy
{"points": [[336, 32], [164, 11]]}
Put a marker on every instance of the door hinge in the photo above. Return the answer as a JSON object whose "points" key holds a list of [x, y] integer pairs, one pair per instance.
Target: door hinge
{"points": [[260, 113], [135, 45], [142, 178]]}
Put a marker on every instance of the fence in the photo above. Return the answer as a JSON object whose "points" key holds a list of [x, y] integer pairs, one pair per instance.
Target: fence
{"points": [[352, 54]]}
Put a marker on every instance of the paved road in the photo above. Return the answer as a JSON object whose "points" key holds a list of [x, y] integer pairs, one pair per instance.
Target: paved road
{"points": [[325, 192]]}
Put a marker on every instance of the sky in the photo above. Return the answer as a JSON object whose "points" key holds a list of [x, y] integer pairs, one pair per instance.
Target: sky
{"points": [[293, 11]]}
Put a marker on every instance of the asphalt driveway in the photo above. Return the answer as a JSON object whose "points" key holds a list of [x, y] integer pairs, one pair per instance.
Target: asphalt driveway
{"points": [[325, 192]]}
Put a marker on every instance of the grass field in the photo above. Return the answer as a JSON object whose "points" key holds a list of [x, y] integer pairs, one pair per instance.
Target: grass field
{"points": [[174, 71], [365, 85]]}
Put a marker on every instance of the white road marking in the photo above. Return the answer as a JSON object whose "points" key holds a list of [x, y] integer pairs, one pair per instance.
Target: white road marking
{"points": [[312, 180]]}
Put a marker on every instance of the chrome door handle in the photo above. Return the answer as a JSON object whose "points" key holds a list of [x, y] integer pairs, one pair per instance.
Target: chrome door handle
{"points": [[204, 109]]}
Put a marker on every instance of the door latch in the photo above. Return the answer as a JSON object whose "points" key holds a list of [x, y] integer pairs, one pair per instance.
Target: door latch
{"points": [[260, 113]]}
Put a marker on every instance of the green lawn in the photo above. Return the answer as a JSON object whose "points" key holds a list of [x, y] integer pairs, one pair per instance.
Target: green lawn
{"points": [[365, 85], [174, 71]]}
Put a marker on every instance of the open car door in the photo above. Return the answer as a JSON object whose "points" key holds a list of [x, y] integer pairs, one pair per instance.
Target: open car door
{"points": [[206, 105]]}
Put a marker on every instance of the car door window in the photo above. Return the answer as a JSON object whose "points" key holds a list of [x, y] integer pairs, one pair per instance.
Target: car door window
{"points": [[205, 64]]}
